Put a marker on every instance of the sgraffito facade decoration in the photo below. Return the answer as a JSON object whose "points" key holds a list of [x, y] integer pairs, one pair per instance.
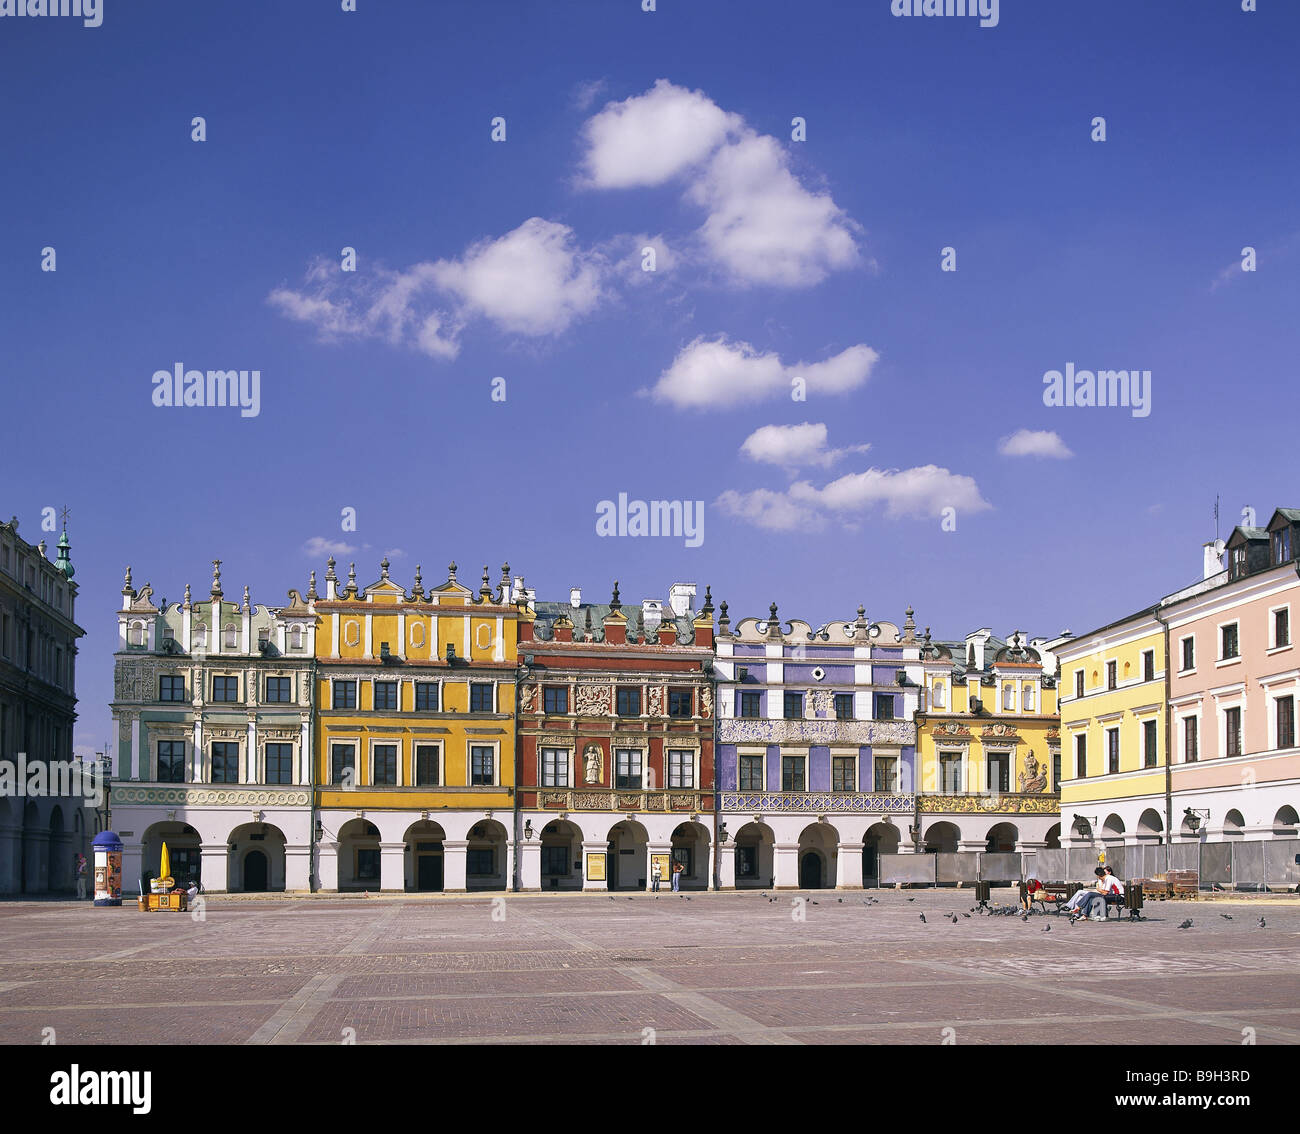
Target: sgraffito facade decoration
{"points": [[816, 749]]}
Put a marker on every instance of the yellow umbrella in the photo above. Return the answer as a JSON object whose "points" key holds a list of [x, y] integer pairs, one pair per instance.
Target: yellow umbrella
{"points": [[165, 867]]}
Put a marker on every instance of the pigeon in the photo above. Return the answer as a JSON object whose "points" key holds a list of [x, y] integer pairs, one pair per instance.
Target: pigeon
{"points": [[954, 918], [911, 899], [630, 899], [811, 902], [972, 909], [923, 917], [965, 915], [689, 898], [1024, 917], [1047, 929], [611, 897], [1226, 916], [840, 900], [1261, 923], [1185, 924]]}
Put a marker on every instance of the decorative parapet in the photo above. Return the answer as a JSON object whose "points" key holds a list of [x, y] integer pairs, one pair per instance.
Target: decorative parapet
{"points": [[198, 795], [1006, 803], [561, 799], [747, 730], [863, 802]]}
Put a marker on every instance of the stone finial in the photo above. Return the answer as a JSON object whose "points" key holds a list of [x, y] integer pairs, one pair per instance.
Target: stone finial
{"points": [[707, 608], [329, 570], [451, 571], [615, 606], [383, 567], [417, 591], [724, 619], [587, 626], [485, 588], [640, 624], [40, 550], [216, 579], [351, 589], [127, 589], [909, 626], [246, 602], [773, 626], [186, 603], [311, 588]]}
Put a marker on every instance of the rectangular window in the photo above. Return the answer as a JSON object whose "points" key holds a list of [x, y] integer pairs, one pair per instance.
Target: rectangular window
{"points": [[886, 773], [628, 702], [555, 767], [746, 861], [426, 764], [1286, 722], [343, 765], [1148, 665], [884, 707], [367, 865], [1232, 731], [680, 703], [385, 696], [1190, 740], [555, 699], [1112, 679], [479, 863], [793, 706], [225, 689], [426, 697], [843, 706], [1078, 683], [950, 773], [171, 688], [1189, 654], [279, 690], [171, 761], [1228, 637], [482, 765], [750, 705], [1281, 627], [345, 695], [1008, 698], [1055, 785], [279, 763], [480, 698], [681, 768], [792, 778], [1081, 757], [627, 768], [842, 777], [1112, 750], [999, 772], [225, 762], [1149, 753], [555, 861], [385, 758], [1281, 546], [751, 773]]}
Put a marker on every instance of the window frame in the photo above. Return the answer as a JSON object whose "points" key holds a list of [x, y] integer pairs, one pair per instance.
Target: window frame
{"points": [[475, 754], [225, 679], [560, 761], [287, 756], [745, 763], [417, 752], [282, 684], [172, 760], [396, 756], [681, 768], [228, 756], [555, 700], [387, 685], [171, 679], [794, 769]]}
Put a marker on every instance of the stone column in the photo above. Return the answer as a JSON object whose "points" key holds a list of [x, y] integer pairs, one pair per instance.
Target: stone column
{"points": [[530, 865], [297, 867], [786, 865], [327, 866], [392, 867], [11, 849], [593, 848], [848, 872], [725, 867], [454, 864], [214, 864], [304, 753], [968, 846], [652, 849], [135, 746]]}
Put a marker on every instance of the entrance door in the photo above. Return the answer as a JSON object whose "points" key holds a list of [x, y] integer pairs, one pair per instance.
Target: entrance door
{"points": [[428, 872], [870, 865], [611, 867], [810, 872], [255, 872]]}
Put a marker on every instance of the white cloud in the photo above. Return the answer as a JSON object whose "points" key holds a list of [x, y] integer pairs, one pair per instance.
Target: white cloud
{"points": [[1034, 443], [794, 446], [921, 492], [763, 225], [720, 373], [319, 546], [533, 281], [650, 138]]}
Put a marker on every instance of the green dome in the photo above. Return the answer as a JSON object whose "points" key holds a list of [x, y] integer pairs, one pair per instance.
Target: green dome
{"points": [[63, 563]]}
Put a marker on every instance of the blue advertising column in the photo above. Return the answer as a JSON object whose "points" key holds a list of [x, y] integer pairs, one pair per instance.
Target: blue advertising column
{"points": [[108, 869]]}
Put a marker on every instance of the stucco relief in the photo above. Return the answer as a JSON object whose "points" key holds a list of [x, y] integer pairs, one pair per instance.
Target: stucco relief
{"points": [[706, 701], [591, 764], [737, 730], [655, 701], [594, 699]]}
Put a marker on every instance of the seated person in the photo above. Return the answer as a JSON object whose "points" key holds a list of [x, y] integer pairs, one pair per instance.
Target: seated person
{"points": [[1079, 905]]}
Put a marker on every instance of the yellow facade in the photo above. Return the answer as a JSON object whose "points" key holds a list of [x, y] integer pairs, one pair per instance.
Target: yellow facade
{"points": [[1113, 740], [378, 652]]}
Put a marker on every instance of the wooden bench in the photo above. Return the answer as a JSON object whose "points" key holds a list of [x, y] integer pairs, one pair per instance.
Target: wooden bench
{"points": [[1129, 902], [1056, 892]]}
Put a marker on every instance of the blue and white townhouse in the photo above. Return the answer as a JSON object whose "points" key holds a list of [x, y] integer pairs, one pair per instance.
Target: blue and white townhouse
{"points": [[816, 750]]}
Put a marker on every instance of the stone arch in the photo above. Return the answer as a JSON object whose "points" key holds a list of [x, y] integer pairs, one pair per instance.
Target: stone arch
{"points": [[1150, 826], [880, 838], [942, 838], [255, 859], [1285, 822], [818, 843], [1234, 825], [1002, 838], [425, 862], [486, 856], [754, 851], [1112, 830], [359, 856], [690, 844], [1053, 839], [184, 848], [628, 865], [561, 842]]}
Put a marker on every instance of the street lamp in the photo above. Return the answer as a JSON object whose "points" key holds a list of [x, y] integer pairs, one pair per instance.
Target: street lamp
{"points": [[528, 828], [1195, 816]]}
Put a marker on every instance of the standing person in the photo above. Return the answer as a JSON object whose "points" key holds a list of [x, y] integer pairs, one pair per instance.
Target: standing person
{"points": [[81, 877], [678, 868], [656, 873]]}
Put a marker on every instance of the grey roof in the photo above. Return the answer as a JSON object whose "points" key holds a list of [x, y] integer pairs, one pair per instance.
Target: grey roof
{"points": [[548, 612]]}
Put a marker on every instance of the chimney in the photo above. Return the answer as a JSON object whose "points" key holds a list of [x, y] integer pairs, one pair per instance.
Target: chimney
{"points": [[1213, 558], [575, 597], [680, 596]]}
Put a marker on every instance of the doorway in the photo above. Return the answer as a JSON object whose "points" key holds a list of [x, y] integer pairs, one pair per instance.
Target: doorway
{"points": [[428, 870], [810, 871], [255, 872]]}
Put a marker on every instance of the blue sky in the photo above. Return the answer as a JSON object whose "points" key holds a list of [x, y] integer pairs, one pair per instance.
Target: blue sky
{"points": [[520, 259]]}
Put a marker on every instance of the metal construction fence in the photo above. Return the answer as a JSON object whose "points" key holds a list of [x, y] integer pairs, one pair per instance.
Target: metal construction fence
{"points": [[1239, 864]]}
